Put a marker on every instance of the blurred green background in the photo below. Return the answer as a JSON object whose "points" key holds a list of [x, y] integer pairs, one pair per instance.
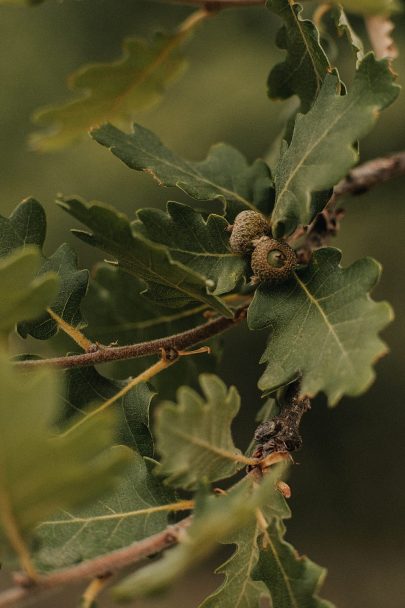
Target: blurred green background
{"points": [[348, 493]]}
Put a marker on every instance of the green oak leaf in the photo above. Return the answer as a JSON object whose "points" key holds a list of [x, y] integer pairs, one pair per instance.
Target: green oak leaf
{"points": [[215, 519], [86, 389], [344, 28], [25, 227], [224, 174], [136, 509], [169, 282], [324, 327], [24, 294], [321, 150], [293, 580], [39, 471], [239, 590], [202, 245], [194, 436], [306, 65], [117, 312], [113, 91]]}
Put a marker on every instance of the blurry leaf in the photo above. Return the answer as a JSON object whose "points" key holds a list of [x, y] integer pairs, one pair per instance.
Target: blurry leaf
{"points": [[87, 389], [117, 311], [22, 2], [23, 294], [342, 24], [379, 29], [27, 226], [201, 245], [292, 580], [268, 410], [321, 150], [324, 327], [306, 64], [169, 282], [194, 436], [239, 590], [40, 472], [135, 510], [113, 91], [224, 174], [215, 519], [372, 7]]}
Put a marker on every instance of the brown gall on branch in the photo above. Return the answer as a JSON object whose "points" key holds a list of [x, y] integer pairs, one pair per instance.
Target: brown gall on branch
{"points": [[177, 342], [281, 435]]}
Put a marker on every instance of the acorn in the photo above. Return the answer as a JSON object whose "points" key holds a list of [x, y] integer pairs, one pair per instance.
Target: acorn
{"points": [[272, 260], [248, 225]]}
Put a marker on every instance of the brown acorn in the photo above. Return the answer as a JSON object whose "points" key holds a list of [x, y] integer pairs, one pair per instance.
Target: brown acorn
{"points": [[272, 260], [248, 225]]}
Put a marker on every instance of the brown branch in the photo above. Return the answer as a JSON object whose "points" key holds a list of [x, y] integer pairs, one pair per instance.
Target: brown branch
{"points": [[110, 563], [370, 174], [178, 342], [359, 180]]}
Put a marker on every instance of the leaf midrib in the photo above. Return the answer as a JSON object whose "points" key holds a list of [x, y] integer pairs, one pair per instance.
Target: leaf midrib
{"points": [[283, 573], [248, 570], [193, 173], [160, 278], [299, 21], [193, 440], [114, 516], [314, 302], [311, 149]]}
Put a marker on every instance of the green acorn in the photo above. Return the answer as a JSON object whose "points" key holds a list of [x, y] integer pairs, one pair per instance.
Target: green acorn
{"points": [[248, 225], [272, 260]]}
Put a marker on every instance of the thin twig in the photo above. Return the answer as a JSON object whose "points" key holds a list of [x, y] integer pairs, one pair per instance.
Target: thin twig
{"points": [[12, 533], [180, 341], [359, 181], [109, 563], [370, 174]]}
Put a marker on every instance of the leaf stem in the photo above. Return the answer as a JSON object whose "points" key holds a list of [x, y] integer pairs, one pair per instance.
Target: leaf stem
{"points": [[93, 590], [76, 335], [179, 342], [14, 537], [144, 376]]}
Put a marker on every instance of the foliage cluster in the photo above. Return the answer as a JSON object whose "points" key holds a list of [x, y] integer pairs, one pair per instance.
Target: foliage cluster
{"points": [[88, 483]]}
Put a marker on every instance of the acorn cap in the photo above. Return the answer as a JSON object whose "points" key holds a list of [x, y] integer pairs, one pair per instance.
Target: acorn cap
{"points": [[273, 260], [248, 225]]}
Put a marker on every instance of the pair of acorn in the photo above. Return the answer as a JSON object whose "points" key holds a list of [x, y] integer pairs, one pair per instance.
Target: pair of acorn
{"points": [[271, 259]]}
